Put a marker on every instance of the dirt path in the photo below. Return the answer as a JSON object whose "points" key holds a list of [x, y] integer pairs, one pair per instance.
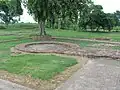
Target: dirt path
{"points": [[6, 85], [98, 74]]}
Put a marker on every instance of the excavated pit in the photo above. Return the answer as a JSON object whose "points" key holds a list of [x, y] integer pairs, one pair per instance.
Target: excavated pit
{"points": [[46, 47]]}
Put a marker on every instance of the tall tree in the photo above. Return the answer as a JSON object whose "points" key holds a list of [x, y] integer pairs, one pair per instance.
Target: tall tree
{"points": [[117, 18], [52, 9], [97, 18]]}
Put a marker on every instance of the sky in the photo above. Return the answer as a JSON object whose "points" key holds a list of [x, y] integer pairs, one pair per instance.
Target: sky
{"points": [[26, 17], [109, 6]]}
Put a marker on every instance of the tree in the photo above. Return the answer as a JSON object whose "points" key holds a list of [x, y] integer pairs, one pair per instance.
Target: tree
{"points": [[10, 9], [84, 15], [117, 18], [54, 10], [97, 18]]}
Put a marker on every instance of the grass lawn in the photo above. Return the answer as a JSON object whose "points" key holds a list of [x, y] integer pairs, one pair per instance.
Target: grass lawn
{"points": [[82, 44], [115, 36], [3, 38], [38, 66], [28, 29], [88, 44], [8, 45], [116, 47], [5, 53]]}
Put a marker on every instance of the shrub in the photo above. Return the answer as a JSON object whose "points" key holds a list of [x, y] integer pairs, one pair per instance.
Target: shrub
{"points": [[2, 27], [117, 29], [26, 25]]}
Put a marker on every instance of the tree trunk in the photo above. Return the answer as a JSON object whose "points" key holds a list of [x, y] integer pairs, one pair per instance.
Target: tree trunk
{"points": [[97, 28], [19, 18], [42, 28], [59, 23]]}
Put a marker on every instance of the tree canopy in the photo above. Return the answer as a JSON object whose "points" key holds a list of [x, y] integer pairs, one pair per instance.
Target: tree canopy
{"points": [[10, 9], [62, 14], [55, 10]]}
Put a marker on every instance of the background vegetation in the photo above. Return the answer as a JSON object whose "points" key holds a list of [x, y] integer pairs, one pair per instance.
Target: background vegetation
{"points": [[66, 14]]}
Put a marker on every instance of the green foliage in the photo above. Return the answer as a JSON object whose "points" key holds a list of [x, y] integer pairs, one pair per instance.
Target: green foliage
{"points": [[64, 14], [25, 25], [117, 28], [37, 66], [2, 27], [10, 9], [56, 12], [96, 19]]}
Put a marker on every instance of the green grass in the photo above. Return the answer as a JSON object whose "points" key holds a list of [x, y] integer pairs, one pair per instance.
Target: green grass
{"points": [[38, 66], [5, 53], [82, 44], [116, 47], [8, 45], [115, 36], [49, 67], [28, 29], [3, 38]]}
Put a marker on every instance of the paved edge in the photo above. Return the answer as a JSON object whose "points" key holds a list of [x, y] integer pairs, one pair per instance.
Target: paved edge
{"points": [[12, 86], [104, 82]]}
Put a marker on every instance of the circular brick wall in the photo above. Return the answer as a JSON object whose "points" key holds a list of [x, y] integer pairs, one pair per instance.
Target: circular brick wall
{"points": [[46, 47]]}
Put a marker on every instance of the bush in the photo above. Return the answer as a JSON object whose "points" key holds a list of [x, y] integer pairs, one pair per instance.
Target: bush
{"points": [[26, 25], [117, 29], [29, 26], [2, 27]]}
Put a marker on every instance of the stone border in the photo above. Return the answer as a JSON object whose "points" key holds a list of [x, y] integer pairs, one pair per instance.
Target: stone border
{"points": [[73, 50], [5, 85], [22, 47]]}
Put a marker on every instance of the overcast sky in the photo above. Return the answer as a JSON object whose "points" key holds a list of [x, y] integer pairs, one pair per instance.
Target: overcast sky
{"points": [[108, 5]]}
